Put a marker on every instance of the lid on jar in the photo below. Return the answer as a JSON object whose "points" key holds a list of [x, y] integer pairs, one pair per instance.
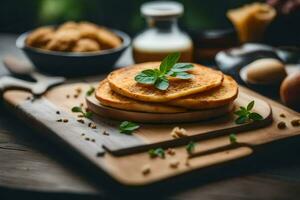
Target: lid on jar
{"points": [[162, 9]]}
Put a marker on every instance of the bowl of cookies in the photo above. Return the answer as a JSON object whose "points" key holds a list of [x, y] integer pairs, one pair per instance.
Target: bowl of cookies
{"points": [[73, 48]]}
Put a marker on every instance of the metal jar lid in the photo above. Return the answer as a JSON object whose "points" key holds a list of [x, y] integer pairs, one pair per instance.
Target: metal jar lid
{"points": [[162, 9]]}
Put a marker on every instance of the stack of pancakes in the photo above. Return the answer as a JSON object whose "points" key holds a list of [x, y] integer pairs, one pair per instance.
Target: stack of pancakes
{"points": [[208, 89]]}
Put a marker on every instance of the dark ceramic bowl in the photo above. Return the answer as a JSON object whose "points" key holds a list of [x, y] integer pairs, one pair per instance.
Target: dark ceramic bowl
{"points": [[73, 64]]}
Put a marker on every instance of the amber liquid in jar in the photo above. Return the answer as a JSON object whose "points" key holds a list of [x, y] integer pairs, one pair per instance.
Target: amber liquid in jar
{"points": [[162, 36], [146, 55]]}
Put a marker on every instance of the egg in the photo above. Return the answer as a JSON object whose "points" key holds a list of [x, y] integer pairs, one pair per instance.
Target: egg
{"points": [[266, 71], [290, 91]]}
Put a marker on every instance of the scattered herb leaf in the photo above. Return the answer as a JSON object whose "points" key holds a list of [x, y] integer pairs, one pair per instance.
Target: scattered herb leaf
{"points": [[127, 127], [90, 91], [245, 114], [190, 147], [232, 138], [78, 109], [158, 152], [168, 67]]}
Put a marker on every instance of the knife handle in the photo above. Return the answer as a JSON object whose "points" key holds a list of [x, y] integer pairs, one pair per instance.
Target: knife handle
{"points": [[7, 82]]}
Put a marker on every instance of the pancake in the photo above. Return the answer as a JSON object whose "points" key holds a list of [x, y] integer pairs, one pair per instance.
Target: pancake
{"points": [[222, 95], [122, 81], [109, 98]]}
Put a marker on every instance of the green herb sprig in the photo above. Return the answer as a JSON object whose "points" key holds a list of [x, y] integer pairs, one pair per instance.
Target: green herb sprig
{"points": [[245, 114], [190, 147], [158, 152], [78, 109], [90, 91], [168, 67], [127, 127], [232, 138]]}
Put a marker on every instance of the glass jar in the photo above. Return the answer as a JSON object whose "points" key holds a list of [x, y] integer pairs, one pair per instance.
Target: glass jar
{"points": [[163, 35]]}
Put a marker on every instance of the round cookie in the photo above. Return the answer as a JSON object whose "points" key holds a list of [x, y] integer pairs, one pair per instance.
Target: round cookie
{"points": [[122, 81], [109, 98], [222, 95]]}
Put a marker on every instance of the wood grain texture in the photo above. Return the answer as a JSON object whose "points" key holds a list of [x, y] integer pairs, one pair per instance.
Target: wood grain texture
{"points": [[127, 169], [275, 175]]}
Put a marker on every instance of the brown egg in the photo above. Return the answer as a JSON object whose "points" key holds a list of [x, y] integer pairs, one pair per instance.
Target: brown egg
{"points": [[266, 71], [290, 91]]}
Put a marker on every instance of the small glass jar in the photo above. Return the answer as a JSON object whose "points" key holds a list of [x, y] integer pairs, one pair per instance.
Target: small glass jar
{"points": [[163, 35]]}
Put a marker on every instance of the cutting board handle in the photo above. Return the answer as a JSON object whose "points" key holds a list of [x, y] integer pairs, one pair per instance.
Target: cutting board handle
{"points": [[222, 154]]}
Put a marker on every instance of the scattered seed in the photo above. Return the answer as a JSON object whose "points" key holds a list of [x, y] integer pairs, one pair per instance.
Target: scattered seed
{"points": [[28, 98], [82, 134], [174, 163], [171, 151], [105, 133], [187, 162], [78, 90], [93, 140], [81, 105], [59, 120], [281, 125], [80, 121], [68, 96], [75, 96], [99, 154], [87, 139], [282, 115], [93, 126], [89, 125], [57, 112], [295, 122], [146, 169], [80, 116], [65, 120]]}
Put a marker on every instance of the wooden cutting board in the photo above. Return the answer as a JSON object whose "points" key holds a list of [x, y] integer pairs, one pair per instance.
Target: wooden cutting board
{"points": [[127, 155]]}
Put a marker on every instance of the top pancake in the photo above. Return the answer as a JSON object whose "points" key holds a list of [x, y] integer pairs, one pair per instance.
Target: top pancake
{"points": [[216, 97], [122, 81], [109, 98]]}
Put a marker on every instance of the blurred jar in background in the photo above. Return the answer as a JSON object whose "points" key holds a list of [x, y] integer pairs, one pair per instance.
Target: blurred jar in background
{"points": [[163, 35]]}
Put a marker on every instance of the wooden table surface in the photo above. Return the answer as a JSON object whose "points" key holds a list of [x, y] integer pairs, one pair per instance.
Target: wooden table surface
{"points": [[31, 167]]}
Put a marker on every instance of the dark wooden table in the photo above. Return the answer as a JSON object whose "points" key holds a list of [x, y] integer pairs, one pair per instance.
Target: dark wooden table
{"points": [[31, 167]]}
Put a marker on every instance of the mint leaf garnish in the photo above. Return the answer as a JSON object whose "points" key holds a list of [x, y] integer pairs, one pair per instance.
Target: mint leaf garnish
{"points": [[168, 67]]}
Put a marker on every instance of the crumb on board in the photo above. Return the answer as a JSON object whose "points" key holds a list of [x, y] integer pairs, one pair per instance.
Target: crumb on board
{"points": [[146, 169], [174, 163], [178, 132]]}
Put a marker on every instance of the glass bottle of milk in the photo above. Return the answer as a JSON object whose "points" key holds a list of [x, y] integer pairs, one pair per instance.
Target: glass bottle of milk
{"points": [[163, 35]]}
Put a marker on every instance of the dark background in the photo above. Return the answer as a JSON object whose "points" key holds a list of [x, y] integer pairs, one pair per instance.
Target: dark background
{"points": [[18, 16]]}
